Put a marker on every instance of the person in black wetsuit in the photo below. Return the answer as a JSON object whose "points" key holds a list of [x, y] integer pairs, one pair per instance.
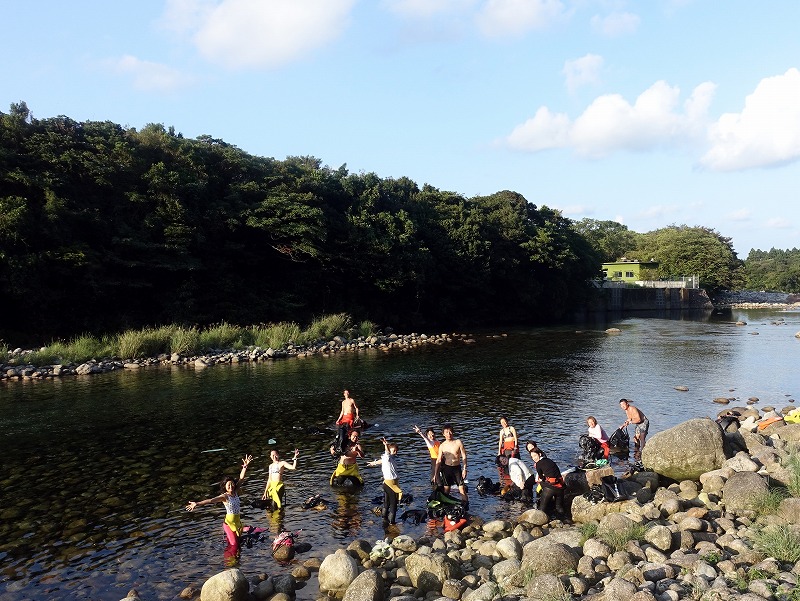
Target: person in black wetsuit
{"points": [[549, 477]]}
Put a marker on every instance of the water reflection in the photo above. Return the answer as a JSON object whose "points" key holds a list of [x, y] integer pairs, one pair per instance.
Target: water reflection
{"points": [[95, 470], [346, 520]]}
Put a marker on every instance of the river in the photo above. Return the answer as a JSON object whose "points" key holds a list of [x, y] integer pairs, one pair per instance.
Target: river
{"points": [[96, 470]]}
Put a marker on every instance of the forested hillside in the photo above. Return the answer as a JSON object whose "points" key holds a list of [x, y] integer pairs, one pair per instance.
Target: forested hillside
{"points": [[773, 270], [104, 227]]}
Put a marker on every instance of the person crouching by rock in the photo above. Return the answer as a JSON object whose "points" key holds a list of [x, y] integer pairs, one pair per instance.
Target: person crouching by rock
{"points": [[549, 478]]}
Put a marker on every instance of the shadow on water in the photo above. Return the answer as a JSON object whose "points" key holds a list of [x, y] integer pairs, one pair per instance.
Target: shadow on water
{"points": [[96, 470]]}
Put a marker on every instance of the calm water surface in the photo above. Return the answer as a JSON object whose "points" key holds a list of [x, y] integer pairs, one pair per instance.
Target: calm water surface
{"points": [[96, 470]]}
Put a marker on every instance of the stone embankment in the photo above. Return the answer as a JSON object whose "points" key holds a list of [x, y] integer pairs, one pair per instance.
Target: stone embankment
{"points": [[751, 299], [338, 344], [708, 535]]}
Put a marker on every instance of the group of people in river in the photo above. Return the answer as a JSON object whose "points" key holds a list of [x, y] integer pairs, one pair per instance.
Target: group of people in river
{"points": [[448, 460]]}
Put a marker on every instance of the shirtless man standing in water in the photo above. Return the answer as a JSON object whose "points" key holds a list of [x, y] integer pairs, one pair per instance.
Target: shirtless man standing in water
{"points": [[451, 464], [638, 419], [349, 413]]}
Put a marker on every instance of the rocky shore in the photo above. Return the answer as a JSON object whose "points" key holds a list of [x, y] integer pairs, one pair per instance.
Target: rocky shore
{"points": [[751, 299], [701, 521], [338, 344]]}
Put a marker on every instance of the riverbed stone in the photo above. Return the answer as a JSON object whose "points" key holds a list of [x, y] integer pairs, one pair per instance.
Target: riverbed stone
{"points": [[230, 585], [742, 489], [337, 571], [789, 510], [619, 589], [505, 569], [367, 586], [534, 517], [428, 572], [596, 548], [659, 536], [553, 558], [453, 588], [545, 587], [509, 548], [685, 451]]}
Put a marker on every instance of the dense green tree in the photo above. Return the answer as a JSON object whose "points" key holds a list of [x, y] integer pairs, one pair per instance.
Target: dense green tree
{"points": [[777, 270], [104, 227], [609, 239], [689, 251]]}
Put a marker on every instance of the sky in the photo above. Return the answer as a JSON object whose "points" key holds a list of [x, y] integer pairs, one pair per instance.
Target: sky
{"points": [[649, 113]]}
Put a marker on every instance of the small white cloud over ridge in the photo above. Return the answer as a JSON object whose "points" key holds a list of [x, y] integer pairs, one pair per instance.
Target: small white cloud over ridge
{"points": [[258, 34], [149, 76], [610, 123], [767, 131]]}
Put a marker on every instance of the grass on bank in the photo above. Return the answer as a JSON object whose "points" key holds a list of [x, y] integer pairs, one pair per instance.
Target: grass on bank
{"points": [[792, 464], [779, 541], [767, 503], [188, 340], [618, 539]]}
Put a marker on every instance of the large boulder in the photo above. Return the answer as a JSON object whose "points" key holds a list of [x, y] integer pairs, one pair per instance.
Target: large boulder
{"points": [[742, 490], [368, 586], [545, 588], [337, 571], [790, 432], [428, 572], [789, 510], [584, 511], [554, 558], [685, 451], [230, 585]]}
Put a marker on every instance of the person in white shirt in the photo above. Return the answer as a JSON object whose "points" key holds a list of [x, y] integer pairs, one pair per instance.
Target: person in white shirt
{"points": [[391, 490], [521, 476], [597, 432]]}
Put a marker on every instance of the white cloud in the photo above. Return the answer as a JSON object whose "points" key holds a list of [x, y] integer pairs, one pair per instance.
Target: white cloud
{"points": [[657, 211], [148, 76], [427, 8], [498, 18], [778, 223], [544, 131], [741, 215], [610, 123], [258, 34], [767, 131], [185, 16], [582, 71], [577, 210], [616, 24]]}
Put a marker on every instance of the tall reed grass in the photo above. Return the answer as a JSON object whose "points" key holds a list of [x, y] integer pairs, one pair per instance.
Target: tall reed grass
{"points": [[327, 327], [276, 335], [188, 340]]}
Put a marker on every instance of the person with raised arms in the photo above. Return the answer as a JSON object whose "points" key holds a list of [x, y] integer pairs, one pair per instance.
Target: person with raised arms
{"points": [[433, 447], [231, 487], [275, 490]]}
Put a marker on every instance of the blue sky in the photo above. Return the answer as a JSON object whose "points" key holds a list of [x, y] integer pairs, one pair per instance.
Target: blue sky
{"points": [[648, 113]]}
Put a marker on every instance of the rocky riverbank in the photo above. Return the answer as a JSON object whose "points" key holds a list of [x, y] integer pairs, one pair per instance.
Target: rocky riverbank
{"points": [[19, 370], [751, 299], [702, 521]]}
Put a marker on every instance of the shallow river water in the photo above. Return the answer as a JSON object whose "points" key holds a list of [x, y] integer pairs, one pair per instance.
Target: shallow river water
{"points": [[96, 470]]}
